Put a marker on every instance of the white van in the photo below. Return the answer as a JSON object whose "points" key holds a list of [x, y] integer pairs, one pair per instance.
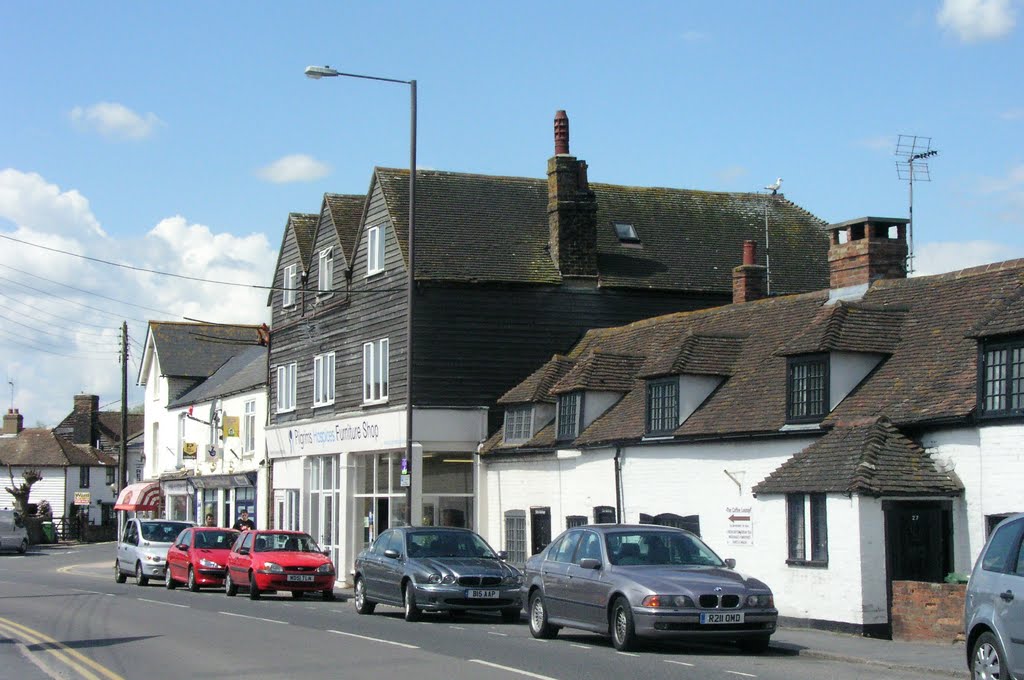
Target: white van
{"points": [[13, 535]]}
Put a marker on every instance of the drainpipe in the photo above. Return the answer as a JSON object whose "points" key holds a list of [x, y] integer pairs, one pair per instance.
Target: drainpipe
{"points": [[618, 485]]}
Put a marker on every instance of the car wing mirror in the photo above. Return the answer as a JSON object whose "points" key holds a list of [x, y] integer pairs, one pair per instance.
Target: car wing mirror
{"points": [[590, 563], [183, 547], [393, 554], [326, 552], [730, 562], [503, 555], [243, 551]]}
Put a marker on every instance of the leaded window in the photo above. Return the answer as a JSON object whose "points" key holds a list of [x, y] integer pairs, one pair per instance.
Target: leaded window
{"points": [[569, 415], [1002, 379], [802, 533], [515, 536], [518, 423], [662, 405], [807, 388]]}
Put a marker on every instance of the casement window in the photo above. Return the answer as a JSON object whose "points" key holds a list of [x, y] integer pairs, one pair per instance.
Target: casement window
{"points": [[1001, 379], [569, 412], [83, 477], [374, 250], [325, 280], [375, 371], [286, 388], [807, 388], [518, 423], [323, 379], [807, 525], [604, 514], [249, 427], [111, 474], [575, 521], [662, 406], [291, 283], [515, 536]]}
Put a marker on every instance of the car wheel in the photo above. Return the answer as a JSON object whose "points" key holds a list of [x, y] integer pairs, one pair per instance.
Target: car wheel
{"points": [[363, 606], [193, 585], [230, 589], [755, 645], [987, 658], [254, 590], [140, 578], [119, 576], [412, 612], [539, 626], [510, 615], [297, 594], [623, 630], [23, 548], [169, 582]]}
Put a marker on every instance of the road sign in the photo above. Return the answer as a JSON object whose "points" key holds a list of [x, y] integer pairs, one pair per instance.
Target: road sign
{"points": [[740, 528]]}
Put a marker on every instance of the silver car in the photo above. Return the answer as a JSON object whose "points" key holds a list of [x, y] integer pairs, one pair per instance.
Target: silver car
{"points": [[644, 581], [142, 548], [435, 569], [994, 606]]}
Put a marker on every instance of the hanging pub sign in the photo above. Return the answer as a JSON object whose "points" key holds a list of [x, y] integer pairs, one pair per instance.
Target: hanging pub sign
{"points": [[189, 449], [230, 426]]}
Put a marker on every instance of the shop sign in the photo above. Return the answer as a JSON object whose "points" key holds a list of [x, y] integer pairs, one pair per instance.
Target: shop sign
{"points": [[740, 528], [83, 498], [189, 449], [230, 425], [370, 433]]}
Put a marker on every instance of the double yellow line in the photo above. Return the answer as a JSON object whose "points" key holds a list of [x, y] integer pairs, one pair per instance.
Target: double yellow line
{"points": [[72, 658]]}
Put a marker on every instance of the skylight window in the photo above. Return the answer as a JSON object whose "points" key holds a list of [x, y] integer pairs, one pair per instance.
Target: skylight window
{"points": [[626, 233]]}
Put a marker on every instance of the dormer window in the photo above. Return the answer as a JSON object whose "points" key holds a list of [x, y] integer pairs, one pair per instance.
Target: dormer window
{"points": [[626, 233], [662, 406], [325, 282], [569, 412], [518, 424], [1001, 374], [807, 388], [291, 282], [374, 250]]}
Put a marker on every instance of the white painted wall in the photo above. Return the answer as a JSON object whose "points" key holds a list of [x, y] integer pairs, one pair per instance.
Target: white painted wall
{"points": [[50, 488], [98, 489]]}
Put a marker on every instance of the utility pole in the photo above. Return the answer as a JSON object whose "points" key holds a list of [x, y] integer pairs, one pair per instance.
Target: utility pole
{"points": [[122, 462]]}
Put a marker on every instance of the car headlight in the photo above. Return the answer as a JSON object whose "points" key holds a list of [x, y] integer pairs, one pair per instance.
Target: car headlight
{"points": [[760, 601], [667, 601], [434, 578], [448, 579], [325, 568], [273, 567], [203, 562], [512, 580]]}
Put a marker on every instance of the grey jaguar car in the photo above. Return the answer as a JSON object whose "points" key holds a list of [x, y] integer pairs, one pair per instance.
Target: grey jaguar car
{"points": [[644, 581], [435, 569]]}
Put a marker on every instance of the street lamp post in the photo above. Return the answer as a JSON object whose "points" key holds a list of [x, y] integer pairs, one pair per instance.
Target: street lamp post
{"points": [[317, 72]]}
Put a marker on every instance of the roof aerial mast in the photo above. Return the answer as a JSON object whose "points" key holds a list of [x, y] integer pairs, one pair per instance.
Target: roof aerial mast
{"points": [[912, 153]]}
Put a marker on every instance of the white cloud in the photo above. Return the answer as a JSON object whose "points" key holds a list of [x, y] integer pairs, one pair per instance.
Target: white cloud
{"points": [[879, 143], [34, 357], [294, 168], [976, 20], [115, 121], [732, 173], [1012, 114], [948, 256]]}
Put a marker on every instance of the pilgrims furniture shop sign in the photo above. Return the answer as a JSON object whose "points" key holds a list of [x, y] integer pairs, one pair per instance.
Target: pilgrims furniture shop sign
{"points": [[369, 433]]}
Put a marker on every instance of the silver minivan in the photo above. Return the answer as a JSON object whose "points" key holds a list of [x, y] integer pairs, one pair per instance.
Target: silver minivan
{"points": [[994, 607], [13, 535], [142, 548]]}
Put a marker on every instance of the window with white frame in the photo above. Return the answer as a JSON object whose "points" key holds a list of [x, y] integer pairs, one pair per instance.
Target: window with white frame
{"points": [[181, 436], [375, 371], [375, 250], [249, 427], [323, 379], [515, 536], [800, 507], [518, 423], [291, 282], [569, 415], [286, 388], [325, 282]]}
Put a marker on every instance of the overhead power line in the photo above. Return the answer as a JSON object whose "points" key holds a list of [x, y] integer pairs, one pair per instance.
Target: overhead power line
{"points": [[18, 340], [37, 310], [74, 302]]}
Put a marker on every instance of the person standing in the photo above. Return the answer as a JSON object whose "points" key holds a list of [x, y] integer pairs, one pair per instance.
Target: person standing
{"points": [[210, 521], [244, 523]]}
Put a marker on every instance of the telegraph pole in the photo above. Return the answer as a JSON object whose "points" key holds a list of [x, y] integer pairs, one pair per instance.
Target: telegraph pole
{"points": [[122, 462]]}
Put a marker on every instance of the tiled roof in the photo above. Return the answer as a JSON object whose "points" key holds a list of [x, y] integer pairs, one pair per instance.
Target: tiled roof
{"points": [[537, 386], [346, 213], [849, 327], [873, 459], [689, 240], [600, 371], [196, 350], [245, 371], [42, 448], [696, 355], [110, 424]]}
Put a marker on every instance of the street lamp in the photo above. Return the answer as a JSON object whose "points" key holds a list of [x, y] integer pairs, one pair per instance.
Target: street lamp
{"points": [[316, 73]]}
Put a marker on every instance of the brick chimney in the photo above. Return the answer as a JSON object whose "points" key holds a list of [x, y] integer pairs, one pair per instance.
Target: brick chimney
{"points": [[13, 422], [872, 248], [86, 408], [749, 280], [572, 208]]}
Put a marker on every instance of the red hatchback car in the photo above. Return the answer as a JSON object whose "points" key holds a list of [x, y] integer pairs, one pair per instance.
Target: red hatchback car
{"points": [[267, 561], [199, 557]]}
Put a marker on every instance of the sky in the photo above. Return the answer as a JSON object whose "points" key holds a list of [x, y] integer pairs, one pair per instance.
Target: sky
{"points": [[177, 137]]}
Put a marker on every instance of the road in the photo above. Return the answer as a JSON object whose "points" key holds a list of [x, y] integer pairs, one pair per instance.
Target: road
{"points": [[62, 616]]}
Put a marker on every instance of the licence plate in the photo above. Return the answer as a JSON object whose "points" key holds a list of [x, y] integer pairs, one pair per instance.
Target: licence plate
{"points": [[482, 594], [303, 578], [721, 617]]}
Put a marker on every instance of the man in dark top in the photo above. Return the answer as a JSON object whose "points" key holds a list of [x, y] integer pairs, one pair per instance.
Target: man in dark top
{"points": [[244, 523]]}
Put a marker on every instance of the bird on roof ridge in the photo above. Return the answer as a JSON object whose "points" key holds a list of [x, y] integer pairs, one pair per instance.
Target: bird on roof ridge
{"points": [[775, 187]]}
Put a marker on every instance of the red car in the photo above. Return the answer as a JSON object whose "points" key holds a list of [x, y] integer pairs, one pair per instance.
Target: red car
{"points": [[199, 557], [266, 561]]}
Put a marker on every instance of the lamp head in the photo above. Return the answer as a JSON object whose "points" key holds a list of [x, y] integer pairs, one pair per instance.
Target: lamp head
{"points": [[318, 72]]}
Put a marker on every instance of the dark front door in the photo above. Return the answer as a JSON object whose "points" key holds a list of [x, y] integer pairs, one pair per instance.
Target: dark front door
{"points": [[918, 537], [540, 529]]}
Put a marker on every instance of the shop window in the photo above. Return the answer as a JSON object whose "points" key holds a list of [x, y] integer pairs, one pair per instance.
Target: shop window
{"points": [[800, 507], [515, 536]]}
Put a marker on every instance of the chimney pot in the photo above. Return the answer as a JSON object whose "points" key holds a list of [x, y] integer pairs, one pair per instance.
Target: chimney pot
{"points": [[561, 133], [749, 252], [749, 280]]}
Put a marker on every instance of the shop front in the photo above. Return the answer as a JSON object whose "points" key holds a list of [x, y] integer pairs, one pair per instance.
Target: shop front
{"points": [[225, 496]]}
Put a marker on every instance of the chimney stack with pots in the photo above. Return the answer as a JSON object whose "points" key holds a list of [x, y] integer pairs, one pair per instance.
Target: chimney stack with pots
{"points": [[749, 280], [13, 422], [867, 249], [572, 209], [85, 412]]}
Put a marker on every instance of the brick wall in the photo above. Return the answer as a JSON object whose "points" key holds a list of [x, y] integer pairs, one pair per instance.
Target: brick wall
{"points": [[927, 611]]}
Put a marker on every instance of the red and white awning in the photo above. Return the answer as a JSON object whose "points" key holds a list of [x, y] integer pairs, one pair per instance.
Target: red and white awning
{"points": [[139, 497]]}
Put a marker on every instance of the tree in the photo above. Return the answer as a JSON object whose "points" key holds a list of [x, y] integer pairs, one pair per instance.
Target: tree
{"points": [[20, 492]]}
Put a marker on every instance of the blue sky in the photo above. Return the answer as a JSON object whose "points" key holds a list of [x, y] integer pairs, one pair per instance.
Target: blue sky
{"points": [[178, 136]]}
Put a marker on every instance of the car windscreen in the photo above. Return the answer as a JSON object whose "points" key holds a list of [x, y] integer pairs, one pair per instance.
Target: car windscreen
{"points": [[215, 540], [271, 542], [646, 547], [162, 532], [447, 544]]}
